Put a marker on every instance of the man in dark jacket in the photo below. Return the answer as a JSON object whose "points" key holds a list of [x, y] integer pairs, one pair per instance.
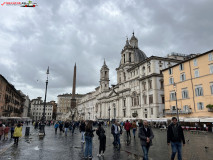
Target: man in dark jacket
{"points": [[66, 126], [82, 130], [175, 136], [146, 135], [113, 132]]}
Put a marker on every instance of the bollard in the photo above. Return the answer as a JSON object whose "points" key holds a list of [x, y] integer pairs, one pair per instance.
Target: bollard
{"points": [[27, 131]]}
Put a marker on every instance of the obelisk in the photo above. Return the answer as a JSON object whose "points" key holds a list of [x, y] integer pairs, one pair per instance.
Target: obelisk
{"points": [[73, 100]]}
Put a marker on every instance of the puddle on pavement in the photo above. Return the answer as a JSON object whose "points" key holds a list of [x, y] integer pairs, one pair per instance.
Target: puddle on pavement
{"points": [[36, 148], [132, 155]]}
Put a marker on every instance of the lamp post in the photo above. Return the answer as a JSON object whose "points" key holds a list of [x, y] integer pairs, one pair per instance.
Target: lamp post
{"points": [[114, 110], [42, 129], [175, 86], [109, 113]]}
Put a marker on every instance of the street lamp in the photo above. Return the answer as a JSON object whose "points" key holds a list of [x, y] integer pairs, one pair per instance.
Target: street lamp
{"points": [[175, 86], [109, 113], [114, 110], [42, 129]]}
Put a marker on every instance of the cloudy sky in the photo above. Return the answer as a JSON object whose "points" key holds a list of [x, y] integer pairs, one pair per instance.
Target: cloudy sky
{"points": [[60, 33]]}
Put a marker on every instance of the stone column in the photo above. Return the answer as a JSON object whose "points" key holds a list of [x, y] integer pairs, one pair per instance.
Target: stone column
{"points": [[128, 107]]}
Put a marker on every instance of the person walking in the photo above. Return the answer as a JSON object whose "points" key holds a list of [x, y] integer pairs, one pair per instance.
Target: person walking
{"points": [[36, 124], [12, 128], [70, 127], [1, 131], [140, 123], [82, 131], [146, 135], [56, 127], [113, 127], [102, 138], [118, 132], [17, 133], [73, 127], [6, 131], [66, 126], [127, 127], [88, 138], [175, 136], [134, 128], [61, 125]]}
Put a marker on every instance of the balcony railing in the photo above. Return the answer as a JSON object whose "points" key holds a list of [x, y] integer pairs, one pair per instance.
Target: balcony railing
{"points": [[189, 111], [210, 109]]}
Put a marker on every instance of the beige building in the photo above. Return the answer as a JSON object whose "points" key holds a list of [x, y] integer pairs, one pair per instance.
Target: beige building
{"points": [[191, 81], [37, 108]]}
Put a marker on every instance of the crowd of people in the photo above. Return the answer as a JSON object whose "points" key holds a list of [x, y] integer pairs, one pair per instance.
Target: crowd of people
{"points": [[175, 135]]}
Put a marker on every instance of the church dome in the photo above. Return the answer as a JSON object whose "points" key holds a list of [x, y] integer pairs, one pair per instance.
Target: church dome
{"points": [[139, 55], [131, 47]]}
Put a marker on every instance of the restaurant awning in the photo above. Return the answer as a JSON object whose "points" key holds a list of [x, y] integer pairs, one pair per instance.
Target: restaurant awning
{"points": [[191, 119], [206, 120]]}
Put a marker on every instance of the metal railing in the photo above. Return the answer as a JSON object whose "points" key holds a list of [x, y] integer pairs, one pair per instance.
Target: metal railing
{"points": [[210, 109]]}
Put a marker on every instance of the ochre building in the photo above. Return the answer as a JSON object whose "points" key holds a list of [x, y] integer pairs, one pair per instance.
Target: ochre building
{"points": [[191, 81]]}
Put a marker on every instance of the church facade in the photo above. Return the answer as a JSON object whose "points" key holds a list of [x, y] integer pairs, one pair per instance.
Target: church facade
{"points": [[139, 92]]}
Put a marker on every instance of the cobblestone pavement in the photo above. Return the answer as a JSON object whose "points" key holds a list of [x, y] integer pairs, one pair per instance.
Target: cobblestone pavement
{"points": [[61, 147]]}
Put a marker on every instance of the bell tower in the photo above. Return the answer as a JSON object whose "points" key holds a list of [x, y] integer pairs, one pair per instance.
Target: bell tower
{"points": [[104, 77]]}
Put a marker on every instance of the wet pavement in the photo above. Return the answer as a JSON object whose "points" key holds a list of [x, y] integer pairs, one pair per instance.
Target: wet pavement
{"points": [[61, 147]]}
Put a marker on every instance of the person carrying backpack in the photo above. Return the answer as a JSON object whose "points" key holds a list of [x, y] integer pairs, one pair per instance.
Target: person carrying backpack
{"points": [[102, 138]]}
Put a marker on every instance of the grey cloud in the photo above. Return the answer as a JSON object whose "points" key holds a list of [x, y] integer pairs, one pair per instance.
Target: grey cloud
{"points": [[60, 33]]}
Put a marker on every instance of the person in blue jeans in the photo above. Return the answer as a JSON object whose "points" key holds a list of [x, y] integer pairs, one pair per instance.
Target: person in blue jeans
{"points": [[118, 132], [82, 130], [175, 136], [88, 138], [134, 128], [146, 135], [56, 127]]}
